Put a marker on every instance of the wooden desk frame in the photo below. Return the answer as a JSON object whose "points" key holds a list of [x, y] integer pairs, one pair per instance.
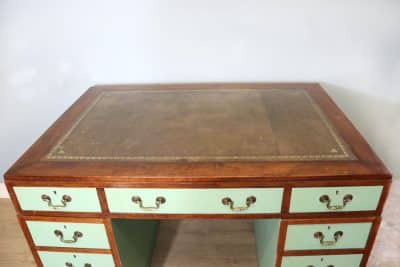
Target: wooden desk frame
{"points": [[31, 170]]}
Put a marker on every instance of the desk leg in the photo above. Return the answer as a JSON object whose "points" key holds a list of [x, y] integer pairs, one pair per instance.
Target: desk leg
{"points": [[135, 241], [266, 233]]}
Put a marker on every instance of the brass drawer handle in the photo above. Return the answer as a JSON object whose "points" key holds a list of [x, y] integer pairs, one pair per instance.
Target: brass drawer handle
{"points": [[74, 239], [68, 264], [327, 200], [159, 202], [330, 265], [229, 202], [65, 199], [321, 237]]}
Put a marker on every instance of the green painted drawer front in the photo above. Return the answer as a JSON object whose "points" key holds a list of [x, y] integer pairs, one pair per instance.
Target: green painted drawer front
{"points": [[59, 259], [307, 199], [301, 236], [93, 234], [81, 199], [352, 260], [199, 201]]}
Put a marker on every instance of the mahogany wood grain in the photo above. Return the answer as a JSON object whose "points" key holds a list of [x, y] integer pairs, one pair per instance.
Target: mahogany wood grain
{"points": [[113, 243], [62, 219], [367, 166], [103, 201], [29, 239], [371, 240], [324, 252], [76, 250], [365, 169], [281, 242], [216, 184], [193, 216]]}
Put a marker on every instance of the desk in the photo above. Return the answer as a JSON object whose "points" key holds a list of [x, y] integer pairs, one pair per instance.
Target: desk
{"points": [[91, 191]]}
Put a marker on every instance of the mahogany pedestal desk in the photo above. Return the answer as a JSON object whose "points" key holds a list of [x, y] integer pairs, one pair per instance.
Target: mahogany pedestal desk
{"points": [[91, 191]]}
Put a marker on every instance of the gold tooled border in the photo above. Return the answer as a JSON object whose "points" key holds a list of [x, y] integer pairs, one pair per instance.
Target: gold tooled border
{"points": [[344, 155]]}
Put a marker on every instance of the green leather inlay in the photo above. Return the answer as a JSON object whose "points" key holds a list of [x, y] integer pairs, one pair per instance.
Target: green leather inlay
{"points": [[307, 199], [352, 260], [206, 201], [202, 126], [301, 237], [93, 234], [82, 199], [59, 259]]}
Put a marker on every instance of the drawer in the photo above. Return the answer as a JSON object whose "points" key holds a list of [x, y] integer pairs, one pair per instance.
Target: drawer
{"points": [[64, 199], [197, 201], [68, 259], [66, 234], [327, 236], [333, 199], [351, 260]]}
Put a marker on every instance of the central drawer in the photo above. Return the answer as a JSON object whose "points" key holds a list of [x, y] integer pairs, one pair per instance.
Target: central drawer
{"points": [[195, 201]]}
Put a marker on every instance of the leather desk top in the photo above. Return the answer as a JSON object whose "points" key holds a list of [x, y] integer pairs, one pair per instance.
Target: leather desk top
{"points": [[195, 131]]}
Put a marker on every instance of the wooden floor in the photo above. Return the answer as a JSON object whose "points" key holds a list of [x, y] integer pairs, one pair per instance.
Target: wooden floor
{"points": [[206, 243], [14, 251]]}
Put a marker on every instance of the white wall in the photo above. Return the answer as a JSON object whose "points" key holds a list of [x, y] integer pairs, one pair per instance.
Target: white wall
{"points": [[51, 51]]}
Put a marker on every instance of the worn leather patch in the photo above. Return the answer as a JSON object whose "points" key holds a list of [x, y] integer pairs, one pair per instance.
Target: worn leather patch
{"points": [[202, 126]]}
